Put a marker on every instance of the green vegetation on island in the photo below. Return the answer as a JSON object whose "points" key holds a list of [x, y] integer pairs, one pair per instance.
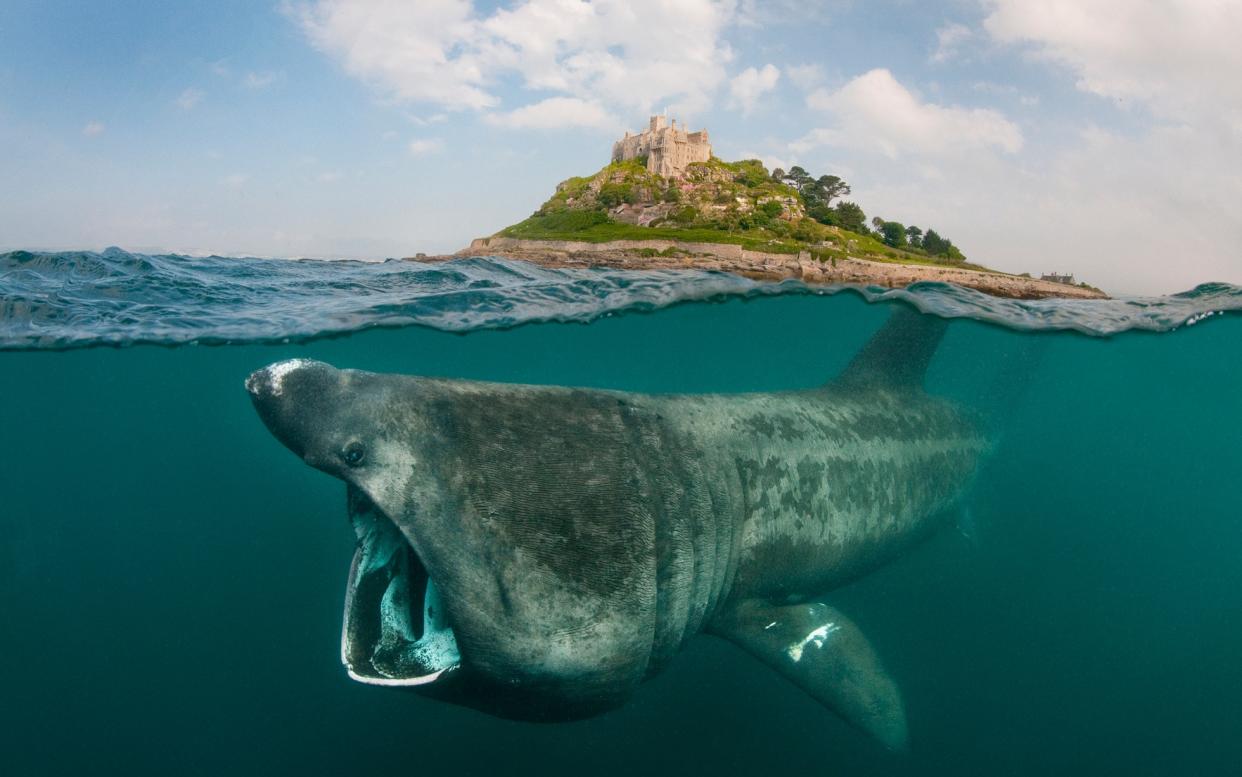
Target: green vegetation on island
{"points": [[739, 203]]}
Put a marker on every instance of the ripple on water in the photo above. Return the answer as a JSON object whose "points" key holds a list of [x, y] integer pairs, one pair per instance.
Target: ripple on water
{"points": [[75, 299]]}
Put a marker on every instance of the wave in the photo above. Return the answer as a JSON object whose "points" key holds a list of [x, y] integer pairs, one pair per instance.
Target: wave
{"points": [[75, 299]]}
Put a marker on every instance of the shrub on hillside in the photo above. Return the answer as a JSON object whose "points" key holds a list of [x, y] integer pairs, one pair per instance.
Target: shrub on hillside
{"points": [[771, 209], [750, 173], [570, 220], [613, 194], [686, 215]]}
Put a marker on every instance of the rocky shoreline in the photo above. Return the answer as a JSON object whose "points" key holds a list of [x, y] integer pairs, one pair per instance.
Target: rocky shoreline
{"points": [[677, 255]]}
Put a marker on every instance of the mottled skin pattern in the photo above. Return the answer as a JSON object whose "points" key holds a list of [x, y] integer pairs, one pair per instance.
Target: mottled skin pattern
{"points": [[826, 484], [580, 537]]}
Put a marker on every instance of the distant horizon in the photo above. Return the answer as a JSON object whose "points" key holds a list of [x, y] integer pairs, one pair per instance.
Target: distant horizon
{"points": [[1076, 137]]}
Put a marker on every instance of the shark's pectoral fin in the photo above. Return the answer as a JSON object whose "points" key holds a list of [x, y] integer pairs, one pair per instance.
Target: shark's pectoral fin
{"points": [[825, 654]]}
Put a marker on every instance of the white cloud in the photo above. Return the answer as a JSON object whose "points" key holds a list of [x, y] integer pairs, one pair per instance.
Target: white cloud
{"points": [[421, 146], [423, 121], [1145, 215], [411, 50], [949, 41], [1150, 211], [235, 180], [805, 77], [763, 14], [93, 128], [748, 86], [1178, 57], [261, 80], [875, 113], [1008, 91], [189, 98], [635, 55], [555, 113]]}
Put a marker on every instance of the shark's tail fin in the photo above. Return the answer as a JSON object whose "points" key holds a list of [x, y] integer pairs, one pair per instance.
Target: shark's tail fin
{"points": [[896, 356]]}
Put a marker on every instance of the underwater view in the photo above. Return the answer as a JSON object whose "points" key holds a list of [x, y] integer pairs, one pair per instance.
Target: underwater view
{"points": [[174, 580]]}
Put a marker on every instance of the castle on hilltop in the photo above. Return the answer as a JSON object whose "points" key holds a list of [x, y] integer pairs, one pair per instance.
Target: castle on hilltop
{"points": [[669, 149]]}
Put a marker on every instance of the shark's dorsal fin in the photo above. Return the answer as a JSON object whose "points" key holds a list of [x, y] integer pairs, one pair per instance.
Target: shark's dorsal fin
{"points": [[822, 652], [896, 357]]}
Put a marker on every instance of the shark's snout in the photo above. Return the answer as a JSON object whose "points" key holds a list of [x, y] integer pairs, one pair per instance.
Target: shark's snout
{"points": [[259, 383], [293, 398], [270, 381]]}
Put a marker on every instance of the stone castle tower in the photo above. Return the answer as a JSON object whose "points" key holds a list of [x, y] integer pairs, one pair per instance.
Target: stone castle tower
{"points": [[669, 149]]}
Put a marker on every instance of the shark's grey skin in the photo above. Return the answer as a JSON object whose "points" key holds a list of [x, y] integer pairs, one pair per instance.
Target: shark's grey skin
{"points": [[538, 551]]}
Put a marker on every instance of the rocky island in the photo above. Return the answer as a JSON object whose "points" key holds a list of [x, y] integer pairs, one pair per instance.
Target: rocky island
{"points": [[666, 202]]}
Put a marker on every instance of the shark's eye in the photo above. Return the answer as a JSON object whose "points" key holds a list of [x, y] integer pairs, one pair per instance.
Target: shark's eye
{"points": [[354, 453]]}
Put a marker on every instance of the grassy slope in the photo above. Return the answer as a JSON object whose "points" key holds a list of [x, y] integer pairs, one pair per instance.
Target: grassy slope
{"points": [[560, 220], [865, 247], [535, 228]]}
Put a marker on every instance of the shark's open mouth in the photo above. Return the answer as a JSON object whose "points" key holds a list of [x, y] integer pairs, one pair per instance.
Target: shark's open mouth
{"points": [[395, 630]]}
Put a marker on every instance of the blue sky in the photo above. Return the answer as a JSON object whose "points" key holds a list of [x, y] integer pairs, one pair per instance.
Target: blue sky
{"points": [[1102, 137]]}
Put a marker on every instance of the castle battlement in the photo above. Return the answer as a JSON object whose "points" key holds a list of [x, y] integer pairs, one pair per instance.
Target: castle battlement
{"points": [[669, 149]]}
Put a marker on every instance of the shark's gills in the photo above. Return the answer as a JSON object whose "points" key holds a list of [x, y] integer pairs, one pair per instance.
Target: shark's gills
{"points": [[822, 652]]}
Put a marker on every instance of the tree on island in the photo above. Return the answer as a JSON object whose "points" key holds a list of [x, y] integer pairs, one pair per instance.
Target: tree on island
{"points": [[815, 191], [933, 243], [915, 236], [825, 189], [818, 194], [897, 235], [851, 217], [893, 233]]}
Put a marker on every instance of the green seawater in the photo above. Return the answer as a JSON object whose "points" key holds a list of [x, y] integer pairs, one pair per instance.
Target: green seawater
{"points": [[172, 578]]}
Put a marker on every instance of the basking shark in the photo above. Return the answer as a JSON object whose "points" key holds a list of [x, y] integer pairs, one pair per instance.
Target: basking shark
{"points": [[538, 551]]}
